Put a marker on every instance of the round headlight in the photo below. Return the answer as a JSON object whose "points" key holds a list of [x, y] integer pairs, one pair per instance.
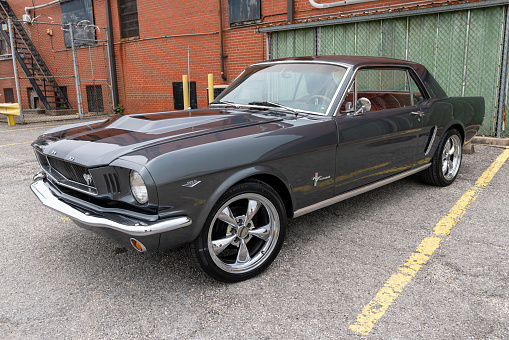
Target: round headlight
{"points": [[138, 187]]}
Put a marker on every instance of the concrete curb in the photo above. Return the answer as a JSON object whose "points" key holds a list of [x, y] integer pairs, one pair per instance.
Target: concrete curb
{"points": [[493, 141]]}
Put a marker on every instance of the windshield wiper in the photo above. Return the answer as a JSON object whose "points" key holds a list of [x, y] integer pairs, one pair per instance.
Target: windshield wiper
{"points": [[266, 103], [224, 102]]}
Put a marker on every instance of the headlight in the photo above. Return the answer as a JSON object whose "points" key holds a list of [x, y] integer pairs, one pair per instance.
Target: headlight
{"points": [[138, 187]]}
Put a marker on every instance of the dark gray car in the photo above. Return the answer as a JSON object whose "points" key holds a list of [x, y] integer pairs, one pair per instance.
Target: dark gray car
{"points": [[287, 137]]}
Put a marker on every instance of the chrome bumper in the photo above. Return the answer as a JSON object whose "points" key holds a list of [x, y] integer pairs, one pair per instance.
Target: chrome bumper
{"points": [[47, 198]]}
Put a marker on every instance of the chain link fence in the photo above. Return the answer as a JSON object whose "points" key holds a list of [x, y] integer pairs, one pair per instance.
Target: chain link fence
{"points": [[63, 70], [462, 49]]}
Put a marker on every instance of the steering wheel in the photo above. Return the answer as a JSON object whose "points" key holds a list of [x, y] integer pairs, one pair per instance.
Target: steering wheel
{"points": [[325, 100]]}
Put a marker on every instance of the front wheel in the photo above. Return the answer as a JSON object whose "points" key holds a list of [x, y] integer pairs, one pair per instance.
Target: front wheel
{"points": [[243, 233], [446, 162]]}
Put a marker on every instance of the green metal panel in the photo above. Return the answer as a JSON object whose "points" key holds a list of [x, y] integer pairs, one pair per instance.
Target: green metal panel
{"points": [[422, 40], [327, 40], [284, 44], [344, 42], [394, 38], [484, 60], [450, 57], [337, 40], [462, 49], [368, 38], [305, 42]]}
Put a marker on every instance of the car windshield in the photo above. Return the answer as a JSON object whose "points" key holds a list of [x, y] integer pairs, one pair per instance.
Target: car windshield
{"points": [[307, 87]]}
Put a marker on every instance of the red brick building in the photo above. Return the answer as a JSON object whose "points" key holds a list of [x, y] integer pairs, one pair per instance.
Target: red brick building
{"points": [[156, 42]]}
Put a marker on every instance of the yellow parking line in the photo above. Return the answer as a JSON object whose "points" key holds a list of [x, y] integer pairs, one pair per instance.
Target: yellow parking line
{"points": [[1, 146], [39, 127], [376, 308]]}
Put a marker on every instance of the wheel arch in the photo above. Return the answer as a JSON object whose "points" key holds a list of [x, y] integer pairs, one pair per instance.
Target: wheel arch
{"points": [[459, 127], [266, 174], [279, 186]]}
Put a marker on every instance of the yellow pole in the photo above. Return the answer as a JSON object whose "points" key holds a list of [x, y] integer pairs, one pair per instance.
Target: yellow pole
{"points": [[211, 87], [185, 86], [10, 120]]}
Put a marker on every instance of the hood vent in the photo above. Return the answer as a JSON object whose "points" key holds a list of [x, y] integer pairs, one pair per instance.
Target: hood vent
{"points": [[112, 182]]}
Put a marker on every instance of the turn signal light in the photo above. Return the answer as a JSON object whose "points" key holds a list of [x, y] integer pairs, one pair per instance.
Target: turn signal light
{"points": [[138, 245]]}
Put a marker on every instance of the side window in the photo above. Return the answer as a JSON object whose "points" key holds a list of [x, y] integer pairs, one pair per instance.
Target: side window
{"points": [[385, 88]]}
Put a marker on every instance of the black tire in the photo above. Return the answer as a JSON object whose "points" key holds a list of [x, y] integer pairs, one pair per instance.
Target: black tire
{"points": [[243, 233], [446, 161]]}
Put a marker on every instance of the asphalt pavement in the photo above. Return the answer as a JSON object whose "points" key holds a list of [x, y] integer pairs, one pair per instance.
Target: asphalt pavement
{"points": [[59, 281]]}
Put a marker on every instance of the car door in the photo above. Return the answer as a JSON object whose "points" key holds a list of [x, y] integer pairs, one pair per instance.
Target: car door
{"points": [[385, 137]]}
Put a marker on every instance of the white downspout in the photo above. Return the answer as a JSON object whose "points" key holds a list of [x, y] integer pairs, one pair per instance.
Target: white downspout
{"points": [[336, 4], [27, 9]]}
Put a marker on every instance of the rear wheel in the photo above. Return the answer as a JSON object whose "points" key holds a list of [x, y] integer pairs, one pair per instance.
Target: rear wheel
{"points": [[243, 233], [446, 162]]}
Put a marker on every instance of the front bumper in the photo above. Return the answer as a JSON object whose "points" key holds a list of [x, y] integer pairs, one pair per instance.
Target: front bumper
{"points": [[88, 220]]}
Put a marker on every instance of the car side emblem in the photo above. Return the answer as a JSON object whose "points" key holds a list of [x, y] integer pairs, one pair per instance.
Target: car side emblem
{"points": [[191, 184], [318, 178], [88, 179]]}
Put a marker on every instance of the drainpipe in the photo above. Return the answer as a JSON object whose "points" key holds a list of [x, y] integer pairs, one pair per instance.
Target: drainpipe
{"points": [[222, 56], [336, 4], [290, 13], [111, 56], [26, 16]]}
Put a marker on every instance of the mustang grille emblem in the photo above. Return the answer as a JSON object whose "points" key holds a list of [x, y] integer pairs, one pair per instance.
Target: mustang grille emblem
{"points": [[88, 179]]}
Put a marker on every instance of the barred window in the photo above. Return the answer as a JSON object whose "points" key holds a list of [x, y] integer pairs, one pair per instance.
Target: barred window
{"points": [[128, 12], [244, 12], [78, 12], [9, 95]]}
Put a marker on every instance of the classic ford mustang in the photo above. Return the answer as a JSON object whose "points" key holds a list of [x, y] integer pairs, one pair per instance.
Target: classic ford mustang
{"points": [[287, 137]]}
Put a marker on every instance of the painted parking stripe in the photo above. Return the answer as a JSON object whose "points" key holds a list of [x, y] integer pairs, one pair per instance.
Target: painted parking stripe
{"points": [[33, 128], [1, 146], [376, 308]]}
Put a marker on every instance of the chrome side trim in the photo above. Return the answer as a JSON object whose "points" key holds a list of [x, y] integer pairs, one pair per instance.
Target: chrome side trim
{"points": [[432, 140], [47, 198], [358, 191]]}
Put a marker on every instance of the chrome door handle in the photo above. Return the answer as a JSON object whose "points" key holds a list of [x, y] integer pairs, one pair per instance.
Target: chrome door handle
{"points": [[417, 113]]}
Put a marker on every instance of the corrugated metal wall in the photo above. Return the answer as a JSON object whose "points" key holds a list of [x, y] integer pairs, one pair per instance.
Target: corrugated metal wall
{"points": [[462, 49]]}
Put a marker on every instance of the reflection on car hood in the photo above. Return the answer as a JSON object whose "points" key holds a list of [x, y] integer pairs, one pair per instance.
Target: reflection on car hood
{"points": [[100, 143]]}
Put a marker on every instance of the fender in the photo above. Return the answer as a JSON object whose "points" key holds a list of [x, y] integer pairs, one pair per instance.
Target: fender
{"points": [[231, 181]]}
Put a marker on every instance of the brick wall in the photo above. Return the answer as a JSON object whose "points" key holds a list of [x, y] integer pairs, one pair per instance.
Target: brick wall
{"points": [[147, 67]]}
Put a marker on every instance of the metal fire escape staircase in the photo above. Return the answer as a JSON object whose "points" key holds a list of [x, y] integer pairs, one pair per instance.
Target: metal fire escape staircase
{"points": [[44, 84]]}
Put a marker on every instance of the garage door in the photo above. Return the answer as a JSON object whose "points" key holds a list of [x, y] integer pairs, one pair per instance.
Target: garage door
{"points": [[463, 49]]}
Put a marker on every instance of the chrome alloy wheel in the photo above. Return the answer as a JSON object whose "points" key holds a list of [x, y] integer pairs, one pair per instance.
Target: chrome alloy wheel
{"points": [[243, 233], [451, 157]]}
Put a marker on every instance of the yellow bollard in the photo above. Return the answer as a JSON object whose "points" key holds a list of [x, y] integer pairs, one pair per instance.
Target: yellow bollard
{"points": [[211, 87], [10, 110], [185, 87]]}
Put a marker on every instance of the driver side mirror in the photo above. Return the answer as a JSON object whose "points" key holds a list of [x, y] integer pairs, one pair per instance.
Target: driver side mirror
{"points": [[363, 105]]}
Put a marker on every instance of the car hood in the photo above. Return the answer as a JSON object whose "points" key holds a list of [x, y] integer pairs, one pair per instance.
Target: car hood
{"points": [[99, 143]]}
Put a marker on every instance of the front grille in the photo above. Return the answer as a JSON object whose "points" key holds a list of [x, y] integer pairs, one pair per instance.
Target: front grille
{"points": [[71, 171], [68, 174]]}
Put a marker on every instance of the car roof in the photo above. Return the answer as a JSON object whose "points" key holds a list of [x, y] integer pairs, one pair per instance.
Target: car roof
{"points": [[352, 61]]}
